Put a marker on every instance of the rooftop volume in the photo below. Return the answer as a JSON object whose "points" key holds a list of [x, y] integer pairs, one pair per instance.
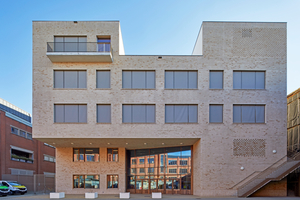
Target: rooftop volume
{"points": [[8, 107]]}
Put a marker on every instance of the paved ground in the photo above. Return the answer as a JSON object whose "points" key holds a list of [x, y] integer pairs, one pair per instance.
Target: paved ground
{"points": [[140, 197]]}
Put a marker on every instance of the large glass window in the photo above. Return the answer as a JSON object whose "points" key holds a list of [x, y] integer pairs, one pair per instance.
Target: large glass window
{"points": [[181, 113], [112, 181], [86, 155], [113, 155], [103, 44], [181, 79], [215, 79], [69, 79], [215, 113], [103, 79], [158, 166], [86, 181], [248, 80], [70, 113], [103, 113], [70, 44], [248, 113], [138, 79], [14, 131], [138, 113]]}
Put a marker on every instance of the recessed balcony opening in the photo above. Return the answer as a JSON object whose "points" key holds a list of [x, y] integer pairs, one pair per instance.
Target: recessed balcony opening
{"points": [[21, 156], [77, 49]]}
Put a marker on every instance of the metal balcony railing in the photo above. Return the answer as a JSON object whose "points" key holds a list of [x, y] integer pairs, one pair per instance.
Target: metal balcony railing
{"points": [[78, 47]]}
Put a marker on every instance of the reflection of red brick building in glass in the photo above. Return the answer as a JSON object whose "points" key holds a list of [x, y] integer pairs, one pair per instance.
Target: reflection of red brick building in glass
{"points": [[166, 172]]}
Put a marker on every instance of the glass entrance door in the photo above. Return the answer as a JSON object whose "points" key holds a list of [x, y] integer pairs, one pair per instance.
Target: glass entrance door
{"points": [[145, 186], [153, 185], [173, 186]]}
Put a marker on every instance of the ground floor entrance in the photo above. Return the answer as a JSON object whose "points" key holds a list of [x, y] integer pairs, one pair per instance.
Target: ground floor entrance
{"points": [[165, 186], [165, 170]]}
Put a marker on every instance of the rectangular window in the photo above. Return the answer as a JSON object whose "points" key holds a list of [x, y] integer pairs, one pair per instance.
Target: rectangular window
{"points": [[46, 158], [133, 161], [162, 169], [172, 162], [138, 113], [103, 114], [69, 79], [215, 113], [142, 170], [150, 160], [103, 79], [133, 170], [70, 113], [22, 133], [151, 170], [103, 44], [86, 155], [49, 158], [138, 79], [183, 162], [86, 181], [142, 161], [248, 113], [181, 113], [112, 155], [248, 80], [215, 79], [112, 181], [181, 79], [29, 136], [173, 171], [70, 44], [183, 171], [14, 130]]}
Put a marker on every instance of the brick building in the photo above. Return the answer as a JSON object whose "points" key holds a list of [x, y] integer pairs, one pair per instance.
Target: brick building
{"points": [[20, 154], [210, 124]]}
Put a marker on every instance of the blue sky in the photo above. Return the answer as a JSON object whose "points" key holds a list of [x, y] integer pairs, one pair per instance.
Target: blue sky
{"points": [[165, 27]]}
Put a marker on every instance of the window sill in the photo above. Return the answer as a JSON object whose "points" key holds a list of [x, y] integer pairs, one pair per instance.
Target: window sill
{"points": [[181, 88], [70, 123], [138, 89], [182, 123], [137, 123], [248, 89], [250, 123], [112, 188], [69, 88]]}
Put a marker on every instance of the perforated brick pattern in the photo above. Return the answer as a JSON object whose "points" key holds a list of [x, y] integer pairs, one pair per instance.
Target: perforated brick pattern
{"points": [[259, 42], [249, 147]]}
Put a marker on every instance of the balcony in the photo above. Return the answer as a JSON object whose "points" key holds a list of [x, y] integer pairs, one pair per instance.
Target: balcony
{"points": [[79, 52]]}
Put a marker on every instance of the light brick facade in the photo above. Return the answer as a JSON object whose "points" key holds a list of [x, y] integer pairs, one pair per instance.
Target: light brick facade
{"points": [[226, 46]]}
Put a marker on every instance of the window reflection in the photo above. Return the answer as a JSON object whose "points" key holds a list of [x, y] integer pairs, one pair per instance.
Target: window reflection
{"points": [[160, 168]]}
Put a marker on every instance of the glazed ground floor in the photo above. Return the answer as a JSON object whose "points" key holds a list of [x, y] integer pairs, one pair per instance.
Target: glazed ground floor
{"points": [[190, 168], [112, 170]]}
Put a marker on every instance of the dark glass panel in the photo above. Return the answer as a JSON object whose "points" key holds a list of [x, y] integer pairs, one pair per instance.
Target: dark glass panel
{"points": [[92, 154], [92, 181], [81, 155]]}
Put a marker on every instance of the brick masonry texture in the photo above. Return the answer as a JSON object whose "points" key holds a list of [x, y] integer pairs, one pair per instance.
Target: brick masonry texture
{"points": [[215, 168]]}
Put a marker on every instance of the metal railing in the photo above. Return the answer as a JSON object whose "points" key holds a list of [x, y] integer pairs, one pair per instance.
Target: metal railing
{"points": [[78, 47]]}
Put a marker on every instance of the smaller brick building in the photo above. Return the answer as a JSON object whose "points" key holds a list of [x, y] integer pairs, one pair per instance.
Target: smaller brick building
{"points": [[19, 153]]}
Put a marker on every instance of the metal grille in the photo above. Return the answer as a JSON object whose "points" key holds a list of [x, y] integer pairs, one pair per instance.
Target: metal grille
{"points": [[249, 147]]}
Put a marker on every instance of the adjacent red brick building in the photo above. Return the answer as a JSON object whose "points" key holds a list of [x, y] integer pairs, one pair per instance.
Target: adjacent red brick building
{"points": [[19, 153]]}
